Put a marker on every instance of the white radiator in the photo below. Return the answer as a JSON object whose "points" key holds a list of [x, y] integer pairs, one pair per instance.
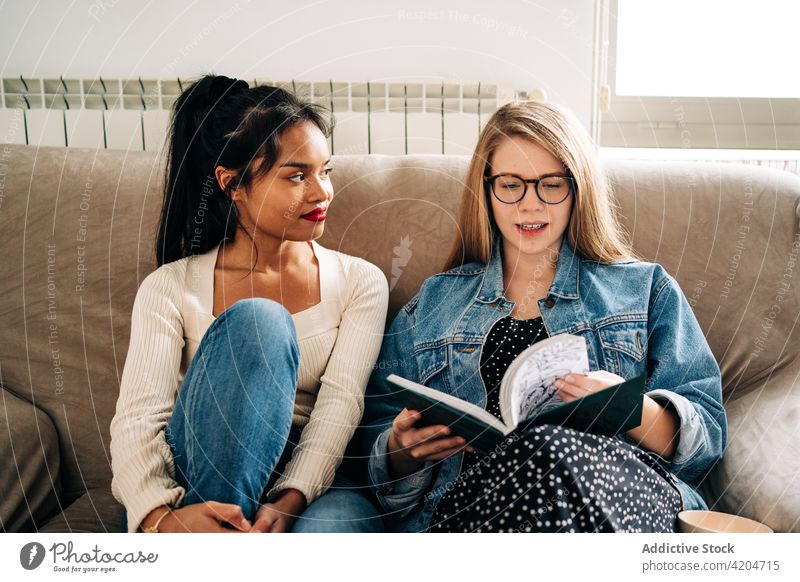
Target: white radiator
{"points": [[377, 118]]}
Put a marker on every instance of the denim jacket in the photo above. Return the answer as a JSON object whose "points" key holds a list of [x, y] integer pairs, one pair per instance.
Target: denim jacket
{"points": [[634, 318]]}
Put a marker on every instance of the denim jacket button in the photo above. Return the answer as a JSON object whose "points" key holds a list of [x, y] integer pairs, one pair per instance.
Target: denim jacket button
{"points": [[549, 302]]}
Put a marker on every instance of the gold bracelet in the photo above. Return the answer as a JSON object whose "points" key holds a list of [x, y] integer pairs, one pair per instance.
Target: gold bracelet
{"points": [[154, 528]]}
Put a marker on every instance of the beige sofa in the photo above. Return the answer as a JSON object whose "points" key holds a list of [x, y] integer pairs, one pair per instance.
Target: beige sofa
{"points": [[77, 238]]}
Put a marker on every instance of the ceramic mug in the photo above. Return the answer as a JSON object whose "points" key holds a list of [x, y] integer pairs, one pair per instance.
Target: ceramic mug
{"points": [[716, 522]]}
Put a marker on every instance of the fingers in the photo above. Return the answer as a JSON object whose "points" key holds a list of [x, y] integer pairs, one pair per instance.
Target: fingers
{"points": [[428, 443], [449, 452], [430, 432], [606, 377], [579, 385], [406, 436], [568, 393], [262, 522], [425, 451], [230, 513], [408, 441], [262, 525], [571, 387], [406, 419], [270, 520]]}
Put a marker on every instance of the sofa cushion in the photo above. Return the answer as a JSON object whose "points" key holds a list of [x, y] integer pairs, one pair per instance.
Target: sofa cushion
{"points": [[728, 233], [759, 475], [77, 238], [30, 482], [94, 511]]}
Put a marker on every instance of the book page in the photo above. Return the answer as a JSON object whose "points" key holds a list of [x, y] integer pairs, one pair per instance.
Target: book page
{"points": [[532, 388]]}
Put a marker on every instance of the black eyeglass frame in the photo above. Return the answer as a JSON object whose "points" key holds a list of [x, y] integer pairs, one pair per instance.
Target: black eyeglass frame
{"points": [[489, 182]]}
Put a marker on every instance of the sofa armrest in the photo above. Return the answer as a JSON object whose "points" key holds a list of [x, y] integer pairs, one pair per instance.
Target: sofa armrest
{"points": [[96, 511], [30, 483], [758, 475]]}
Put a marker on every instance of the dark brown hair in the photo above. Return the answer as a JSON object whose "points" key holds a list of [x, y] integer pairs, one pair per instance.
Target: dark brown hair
{"points": [[218, 121]]}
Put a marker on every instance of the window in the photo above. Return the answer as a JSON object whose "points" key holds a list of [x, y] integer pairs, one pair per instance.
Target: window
{"points": [[702, 74]]}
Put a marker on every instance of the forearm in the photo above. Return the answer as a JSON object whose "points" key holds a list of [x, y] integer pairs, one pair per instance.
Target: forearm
{"points": [[400, 464], [395, 496], [339, 403], [142, 481], [321, 446], [141, 459], [291, 502], [659, 429], [686, 380], [152, 517]]}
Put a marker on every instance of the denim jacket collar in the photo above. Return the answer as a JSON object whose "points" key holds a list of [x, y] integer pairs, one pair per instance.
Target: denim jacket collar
{"points": [[493, 287], [565, 281]]}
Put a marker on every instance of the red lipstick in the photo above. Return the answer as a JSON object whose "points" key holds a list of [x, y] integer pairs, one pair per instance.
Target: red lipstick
{"points": [[316, 215]]}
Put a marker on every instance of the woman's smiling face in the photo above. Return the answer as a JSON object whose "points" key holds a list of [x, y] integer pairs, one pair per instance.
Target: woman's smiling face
{"points": [[529, 227]]}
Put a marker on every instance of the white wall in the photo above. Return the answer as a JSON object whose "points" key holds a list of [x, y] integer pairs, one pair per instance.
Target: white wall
{"points": [[544, 45]]}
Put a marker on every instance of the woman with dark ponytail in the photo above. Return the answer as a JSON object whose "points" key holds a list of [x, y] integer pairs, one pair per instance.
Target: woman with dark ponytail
{"points": [[251, 344]]}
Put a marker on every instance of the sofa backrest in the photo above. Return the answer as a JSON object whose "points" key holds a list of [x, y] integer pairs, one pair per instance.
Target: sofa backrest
{"points": [[78, 231], [76, 237], [727, 232]]}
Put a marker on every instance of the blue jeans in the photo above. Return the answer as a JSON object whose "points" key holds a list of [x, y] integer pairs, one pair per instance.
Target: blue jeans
{"points": [[342, 509], [231, 430]]}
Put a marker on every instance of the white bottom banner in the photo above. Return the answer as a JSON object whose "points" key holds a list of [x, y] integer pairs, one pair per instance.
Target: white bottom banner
{"points": [[389, 557]]}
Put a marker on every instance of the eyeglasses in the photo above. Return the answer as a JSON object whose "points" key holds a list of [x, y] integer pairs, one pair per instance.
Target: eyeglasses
{"points": [[550, 189]]}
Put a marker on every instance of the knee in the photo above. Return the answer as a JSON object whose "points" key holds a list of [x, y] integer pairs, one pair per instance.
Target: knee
{"points": [[263, 320], [340, 511], [260, 309]]}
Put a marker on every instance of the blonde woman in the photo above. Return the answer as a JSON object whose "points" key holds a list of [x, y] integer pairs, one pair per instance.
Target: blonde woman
{"points": [[539, 252]]}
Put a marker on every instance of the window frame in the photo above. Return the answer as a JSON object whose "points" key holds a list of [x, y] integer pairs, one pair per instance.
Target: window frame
{"points": [[689, 122]]}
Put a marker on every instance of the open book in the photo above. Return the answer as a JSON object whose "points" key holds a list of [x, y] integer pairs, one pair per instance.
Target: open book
{"points": [[528, 396]]}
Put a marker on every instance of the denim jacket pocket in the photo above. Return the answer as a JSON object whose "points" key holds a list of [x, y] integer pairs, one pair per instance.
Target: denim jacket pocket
{"points": [[432, 362], [624, 342]]}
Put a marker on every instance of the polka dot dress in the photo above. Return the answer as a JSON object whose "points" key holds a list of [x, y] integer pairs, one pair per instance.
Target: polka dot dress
{"points": [[550, 478]]}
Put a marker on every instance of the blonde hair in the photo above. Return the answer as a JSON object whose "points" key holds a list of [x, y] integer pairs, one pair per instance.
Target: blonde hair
{"points": [[594, 231]]}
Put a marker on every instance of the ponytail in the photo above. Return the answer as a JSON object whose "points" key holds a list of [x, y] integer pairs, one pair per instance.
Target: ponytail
{"points": [[218, 121]]}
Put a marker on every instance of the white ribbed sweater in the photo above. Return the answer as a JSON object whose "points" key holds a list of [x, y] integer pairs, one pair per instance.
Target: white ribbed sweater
{"points": [[339, 340]]}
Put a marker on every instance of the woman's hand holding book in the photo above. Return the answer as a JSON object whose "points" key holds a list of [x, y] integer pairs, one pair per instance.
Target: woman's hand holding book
{"points": [[410, 447], [574, 386]]}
